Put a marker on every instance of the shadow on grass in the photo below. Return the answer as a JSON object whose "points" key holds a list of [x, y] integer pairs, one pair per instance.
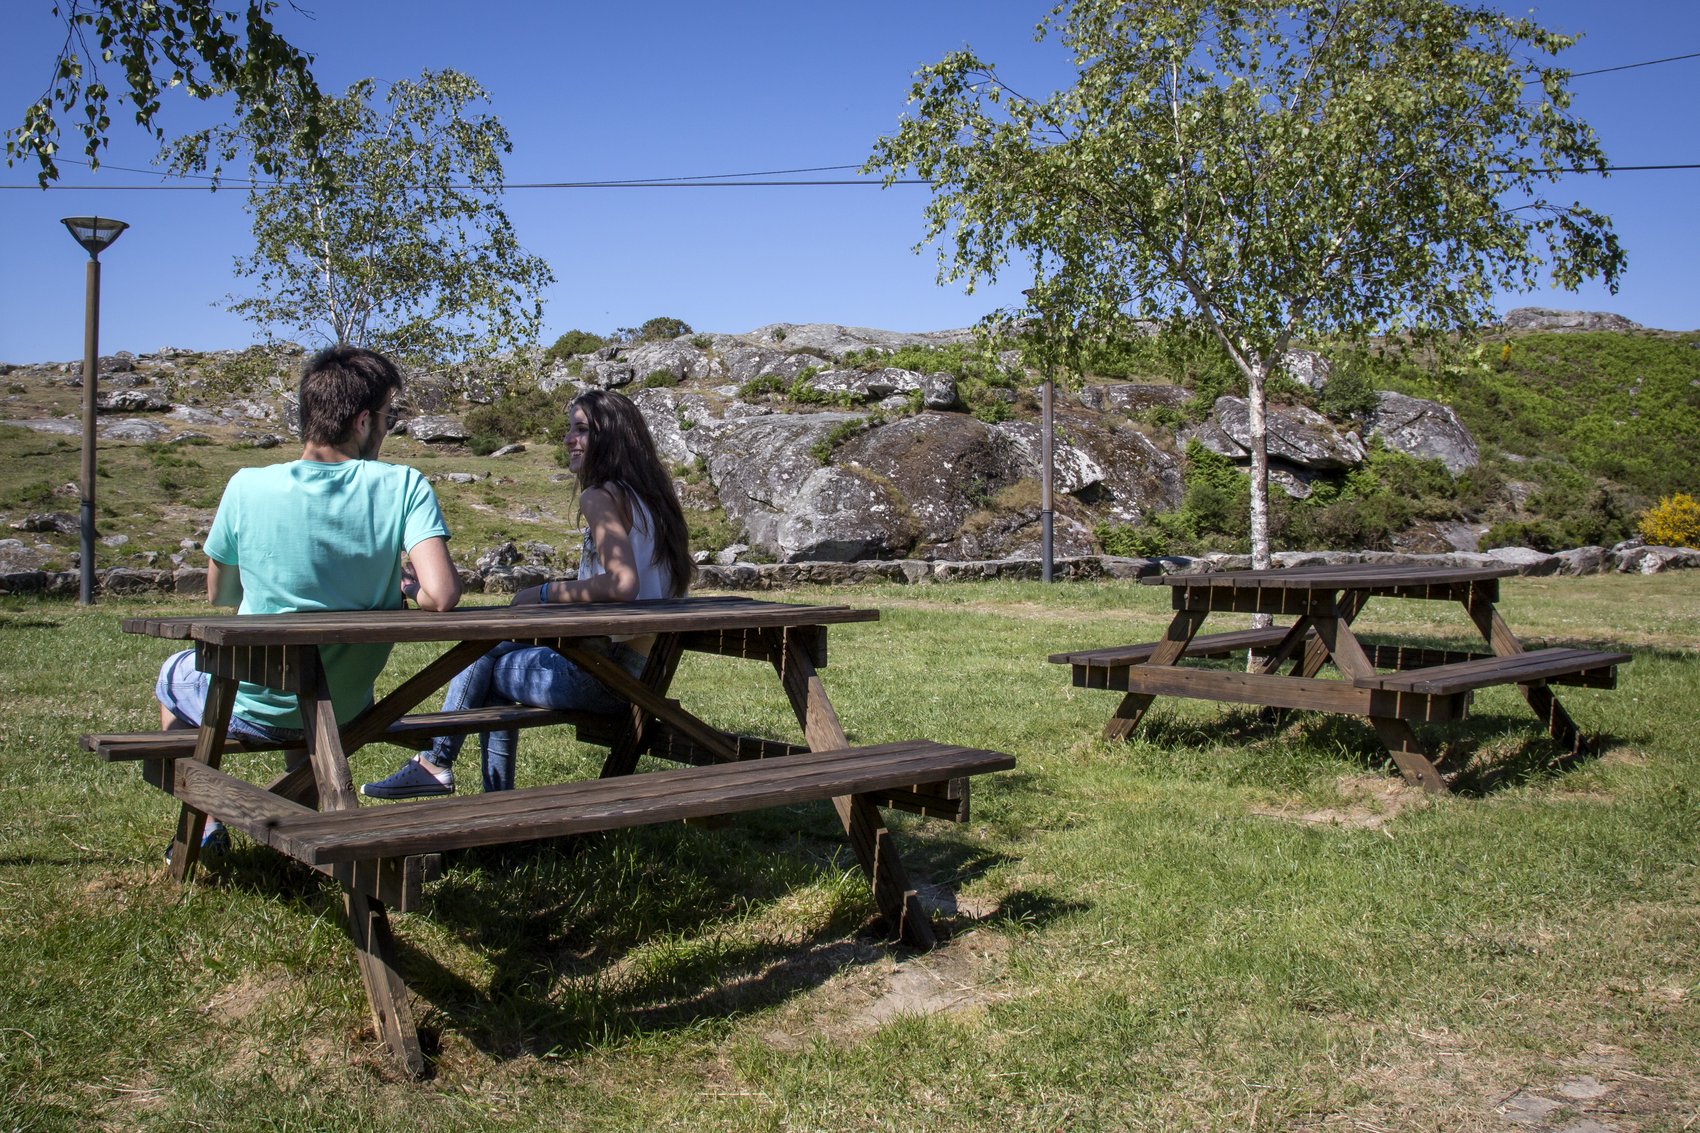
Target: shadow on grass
{"points": [[609, 936], [1484, 753]]}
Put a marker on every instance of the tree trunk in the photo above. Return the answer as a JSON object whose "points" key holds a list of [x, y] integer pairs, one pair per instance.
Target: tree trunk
{"points": [[1257, 404]]}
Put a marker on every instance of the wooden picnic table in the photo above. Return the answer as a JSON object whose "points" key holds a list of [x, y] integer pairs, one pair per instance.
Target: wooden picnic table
{"points": [[1395, 686], [381, 853]]}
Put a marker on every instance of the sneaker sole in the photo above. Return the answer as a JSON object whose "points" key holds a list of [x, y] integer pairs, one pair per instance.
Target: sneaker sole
{"points": [[406, 792]]}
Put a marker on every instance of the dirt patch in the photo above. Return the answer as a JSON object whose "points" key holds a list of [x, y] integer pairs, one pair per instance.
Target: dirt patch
{"points": [[1602, 1093], [1369, 802], [253, 991], [1443, 1081], [963, 973]]}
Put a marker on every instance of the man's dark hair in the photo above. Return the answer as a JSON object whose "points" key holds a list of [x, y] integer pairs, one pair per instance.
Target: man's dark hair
{"points": [[338, 384]]}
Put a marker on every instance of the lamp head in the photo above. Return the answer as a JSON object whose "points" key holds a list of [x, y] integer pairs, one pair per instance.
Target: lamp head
{"points": [[94, 233]]}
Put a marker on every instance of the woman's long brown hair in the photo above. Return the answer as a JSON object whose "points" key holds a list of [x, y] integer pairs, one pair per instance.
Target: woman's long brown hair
{"points": [[621, 457]]}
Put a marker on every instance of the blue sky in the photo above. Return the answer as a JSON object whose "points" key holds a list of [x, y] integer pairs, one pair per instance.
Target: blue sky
{"points": [[665, 89]]}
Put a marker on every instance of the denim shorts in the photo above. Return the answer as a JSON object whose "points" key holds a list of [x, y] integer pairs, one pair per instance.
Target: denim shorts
{"points": [[182, 689]]}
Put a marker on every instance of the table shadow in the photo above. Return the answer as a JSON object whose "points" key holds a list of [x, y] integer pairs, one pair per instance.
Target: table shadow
{"points": [[571, 967]]}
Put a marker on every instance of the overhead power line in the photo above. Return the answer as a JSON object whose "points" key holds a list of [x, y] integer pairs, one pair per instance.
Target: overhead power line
{"points": [[697, 184], [739, 180], [1632, 66]]}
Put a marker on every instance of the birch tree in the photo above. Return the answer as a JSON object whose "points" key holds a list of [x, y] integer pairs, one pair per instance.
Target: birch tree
{"points": [[1267, 171], [402, 245]]}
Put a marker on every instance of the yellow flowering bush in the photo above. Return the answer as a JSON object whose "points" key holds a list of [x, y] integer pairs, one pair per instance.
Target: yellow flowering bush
{"points": [[1673, 522]]}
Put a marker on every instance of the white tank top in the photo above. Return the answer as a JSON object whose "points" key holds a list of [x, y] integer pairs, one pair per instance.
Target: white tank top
{"points": [[655, 579]]}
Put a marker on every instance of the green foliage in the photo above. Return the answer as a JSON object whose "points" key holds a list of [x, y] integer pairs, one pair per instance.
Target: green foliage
{"points": [[1567, 508], [521, 414], [801, 392], [1212, 515], [574, 342], [659, 379], [1576, 397], [1349, 394], [159, 45], [407, 249], [823, 449], [662, 328], [1673, 522], [762, 384]]}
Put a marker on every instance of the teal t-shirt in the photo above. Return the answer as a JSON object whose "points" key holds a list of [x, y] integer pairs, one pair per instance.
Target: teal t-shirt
{"points": [[314, 536]]}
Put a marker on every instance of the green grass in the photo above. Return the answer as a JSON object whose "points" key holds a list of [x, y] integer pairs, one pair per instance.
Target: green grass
{"points": [[1215, 926]]}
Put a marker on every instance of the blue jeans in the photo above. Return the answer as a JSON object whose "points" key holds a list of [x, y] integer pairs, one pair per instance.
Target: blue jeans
{"points": [[182, 689], [523, 674]]}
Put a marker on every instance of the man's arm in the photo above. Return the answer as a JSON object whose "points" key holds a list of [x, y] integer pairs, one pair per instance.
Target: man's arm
{"points": [[224, 583], [433, 581]]}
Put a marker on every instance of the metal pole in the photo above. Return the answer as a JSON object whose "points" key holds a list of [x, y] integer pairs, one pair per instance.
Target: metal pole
{"points": [[1046, 466], [91, 379]]}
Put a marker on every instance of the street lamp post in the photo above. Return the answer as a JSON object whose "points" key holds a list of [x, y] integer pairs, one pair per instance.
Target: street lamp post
{"points": [[94, 233]]}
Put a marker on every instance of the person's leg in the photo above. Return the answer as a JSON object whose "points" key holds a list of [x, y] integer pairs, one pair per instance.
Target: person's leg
{"points": [[181, 690], [430, 772], [542, 678]]}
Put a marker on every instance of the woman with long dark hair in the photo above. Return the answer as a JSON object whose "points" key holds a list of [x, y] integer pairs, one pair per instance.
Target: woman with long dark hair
{"points": [[635, 549]]}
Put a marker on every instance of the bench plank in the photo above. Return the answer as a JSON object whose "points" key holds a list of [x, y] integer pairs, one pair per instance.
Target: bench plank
{"points": [[1204, 645], [256, 812], [1515, 668], [606, 804], [593, 727], [1271, 691]]}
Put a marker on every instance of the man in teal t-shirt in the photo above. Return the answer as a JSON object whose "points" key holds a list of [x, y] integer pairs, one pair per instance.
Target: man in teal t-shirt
{"points": [[336, 530]]}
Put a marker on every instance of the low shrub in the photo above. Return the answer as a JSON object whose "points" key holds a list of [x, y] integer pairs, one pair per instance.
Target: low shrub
{"points": [[1672, 522], [574, 342], [762, 384], [527, 413]]}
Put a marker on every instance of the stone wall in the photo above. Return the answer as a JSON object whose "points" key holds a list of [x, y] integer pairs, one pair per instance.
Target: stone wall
{"points": [[1625, 558]]}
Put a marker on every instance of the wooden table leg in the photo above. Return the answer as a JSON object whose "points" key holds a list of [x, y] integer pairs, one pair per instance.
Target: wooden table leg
{"points": [[657, 677], [1408, 754], [1133, 705], [209, 749], [1540, 698], [869, 837], [366, 918]]}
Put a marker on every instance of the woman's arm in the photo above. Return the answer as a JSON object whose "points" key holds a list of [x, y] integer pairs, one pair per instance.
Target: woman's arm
{"points": [[613, 540]]}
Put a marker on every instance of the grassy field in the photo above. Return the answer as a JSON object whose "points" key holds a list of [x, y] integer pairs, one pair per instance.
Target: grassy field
{"points": [[1215, 926]]}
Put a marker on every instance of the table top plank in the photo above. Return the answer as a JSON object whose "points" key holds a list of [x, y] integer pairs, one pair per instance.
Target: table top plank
{"points": [[1326, 577], [494, 623]]}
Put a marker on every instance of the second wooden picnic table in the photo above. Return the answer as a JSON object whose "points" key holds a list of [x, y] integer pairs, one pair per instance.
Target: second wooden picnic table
{"points": [[1395, 686], [380, 853]]}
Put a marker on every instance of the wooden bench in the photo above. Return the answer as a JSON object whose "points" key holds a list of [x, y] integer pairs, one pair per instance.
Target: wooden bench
{"points": [[374, 833], [1203, 645], [413, 731], [1534, 666]]}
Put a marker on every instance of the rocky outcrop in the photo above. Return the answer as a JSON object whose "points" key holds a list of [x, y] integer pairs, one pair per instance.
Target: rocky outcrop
{"points": [[896, 467], [829, 340], [1423, 429], [436, 429], [1131, 398], [946, 466], [1299, 441], [844, 514], [1545, 318], [759, 465]]}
